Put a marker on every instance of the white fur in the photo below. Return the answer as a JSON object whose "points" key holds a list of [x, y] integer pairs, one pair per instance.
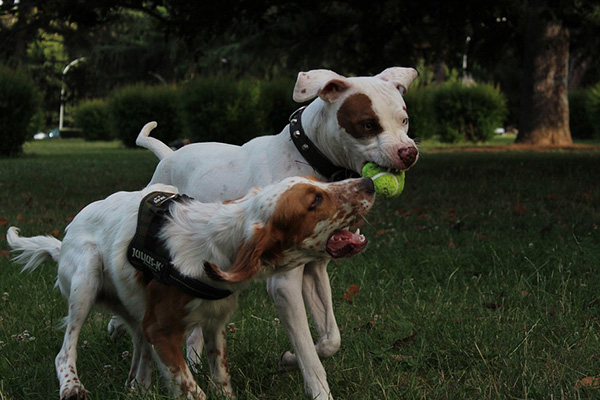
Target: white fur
{"points": [[210, 171], [93, 269]]}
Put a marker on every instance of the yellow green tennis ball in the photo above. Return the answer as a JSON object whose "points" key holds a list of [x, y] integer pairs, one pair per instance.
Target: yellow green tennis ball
{"points": [[388, 182]]}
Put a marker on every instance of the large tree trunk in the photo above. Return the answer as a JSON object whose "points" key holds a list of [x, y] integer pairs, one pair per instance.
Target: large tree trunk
{"points": [[545, 105]]}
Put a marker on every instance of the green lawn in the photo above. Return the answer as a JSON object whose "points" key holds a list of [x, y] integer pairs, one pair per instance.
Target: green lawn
{"points": [[479, 283]]}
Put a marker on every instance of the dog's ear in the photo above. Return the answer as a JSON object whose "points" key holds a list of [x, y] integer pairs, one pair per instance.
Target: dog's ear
{"points": [[399, 77], [324, 83], [265, 245]]}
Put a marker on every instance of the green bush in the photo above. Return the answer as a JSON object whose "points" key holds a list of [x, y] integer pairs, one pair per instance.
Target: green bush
{"points": [[468, 113], [92, 117], [134, 106], [220, 110], [593, 109], [419, 103], [18, 105], [275, 105], [580, 120]]}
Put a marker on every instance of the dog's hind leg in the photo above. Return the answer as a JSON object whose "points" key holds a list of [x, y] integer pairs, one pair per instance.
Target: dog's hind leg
{"points": [[116, 327], [194, 344], [83, 287], [140, 373]]}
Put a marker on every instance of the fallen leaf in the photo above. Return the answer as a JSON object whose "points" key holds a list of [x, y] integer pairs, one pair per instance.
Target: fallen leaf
{"points": [[380, 232], [492, 305], [20, 217], [3, 221], [55, 233], [411, 361], [5, 253], [589, 382], [404, 340], [351, 293], [451, 244], [519, 209]]}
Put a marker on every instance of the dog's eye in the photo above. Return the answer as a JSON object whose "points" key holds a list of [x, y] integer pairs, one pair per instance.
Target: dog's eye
{"points": [[405, 121], [368, 126], [316, 202]]}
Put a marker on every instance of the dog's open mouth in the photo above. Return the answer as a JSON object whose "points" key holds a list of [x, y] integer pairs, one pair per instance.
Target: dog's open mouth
{"points": [[343, 243]]}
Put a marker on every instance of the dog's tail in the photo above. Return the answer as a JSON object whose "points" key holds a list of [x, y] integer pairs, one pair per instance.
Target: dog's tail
{"points": [[144, 139], [34, 250]]}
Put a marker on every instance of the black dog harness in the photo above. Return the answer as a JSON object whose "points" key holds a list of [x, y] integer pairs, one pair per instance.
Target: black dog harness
{"points": [[148, 253], [312, 154]]}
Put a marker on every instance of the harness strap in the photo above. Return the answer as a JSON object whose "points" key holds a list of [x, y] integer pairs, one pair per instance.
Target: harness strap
{"points": [[312, 154], [148, 253]]}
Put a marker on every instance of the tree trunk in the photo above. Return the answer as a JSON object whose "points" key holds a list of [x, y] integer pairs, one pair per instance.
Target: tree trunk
{"points": [[545, 105]]}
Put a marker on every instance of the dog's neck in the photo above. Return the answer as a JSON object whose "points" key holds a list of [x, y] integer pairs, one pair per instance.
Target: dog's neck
{"points": [[319, 126], [214, 230]]}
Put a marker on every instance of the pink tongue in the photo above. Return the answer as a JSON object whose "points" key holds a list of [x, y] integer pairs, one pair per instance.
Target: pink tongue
{"points": [[344, 243]]}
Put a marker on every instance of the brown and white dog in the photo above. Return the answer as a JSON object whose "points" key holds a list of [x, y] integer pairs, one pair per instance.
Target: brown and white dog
{"points": [[224, 245]]}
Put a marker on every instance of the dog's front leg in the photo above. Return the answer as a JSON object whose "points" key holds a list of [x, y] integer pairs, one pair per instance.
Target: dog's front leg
{"points": [[216, 350], [316, 291], [286, 291], [164, 329]]}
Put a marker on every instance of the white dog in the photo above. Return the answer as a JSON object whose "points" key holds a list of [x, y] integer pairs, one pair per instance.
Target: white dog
{"points": [[352, 121], [191, 259]]}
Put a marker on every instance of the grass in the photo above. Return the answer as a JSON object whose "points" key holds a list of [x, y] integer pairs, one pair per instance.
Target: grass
{"points": [[480, 282]]}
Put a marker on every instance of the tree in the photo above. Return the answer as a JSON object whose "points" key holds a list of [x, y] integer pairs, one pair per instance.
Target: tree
{"points": [[545, 103]]}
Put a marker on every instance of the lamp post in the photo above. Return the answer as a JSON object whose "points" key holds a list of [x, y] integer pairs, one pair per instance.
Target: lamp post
{"points": [[464, 60], [61, 113]]}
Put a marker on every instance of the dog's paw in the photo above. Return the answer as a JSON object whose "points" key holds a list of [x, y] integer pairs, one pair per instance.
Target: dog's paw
{"points": [[288, 361], [74, 393], [116, 328]]}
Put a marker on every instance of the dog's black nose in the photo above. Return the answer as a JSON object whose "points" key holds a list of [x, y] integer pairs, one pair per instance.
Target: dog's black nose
{"points": [[408, 155], [368, 185]]}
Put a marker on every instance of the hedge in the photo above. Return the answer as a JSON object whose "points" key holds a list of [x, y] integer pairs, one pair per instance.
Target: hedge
{"points": [[18, 106], [275, 105], [93, 118], [213, 109], [132, 107], [422, 120], [593, 109], [468, 112], [220, 110]]}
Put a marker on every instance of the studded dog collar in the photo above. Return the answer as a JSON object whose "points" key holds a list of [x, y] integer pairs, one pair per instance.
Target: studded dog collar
{"points": [[312, 154], [148, 253]]}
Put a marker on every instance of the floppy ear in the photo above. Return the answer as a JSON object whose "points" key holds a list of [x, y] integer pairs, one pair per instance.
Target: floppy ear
{"points": [[324, 83], [265, 245], [399, 77]]}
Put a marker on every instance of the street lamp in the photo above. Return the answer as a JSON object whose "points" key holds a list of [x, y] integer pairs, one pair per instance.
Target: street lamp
{"points": [[464, 60], [61, 113]]}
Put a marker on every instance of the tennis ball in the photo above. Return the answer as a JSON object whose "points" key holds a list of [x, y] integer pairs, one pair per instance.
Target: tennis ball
{"points": [[388, 182]]}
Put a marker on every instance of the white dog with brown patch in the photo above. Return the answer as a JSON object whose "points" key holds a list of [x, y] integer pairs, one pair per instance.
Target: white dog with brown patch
{"points": [[211, 252], [352, 121]]}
